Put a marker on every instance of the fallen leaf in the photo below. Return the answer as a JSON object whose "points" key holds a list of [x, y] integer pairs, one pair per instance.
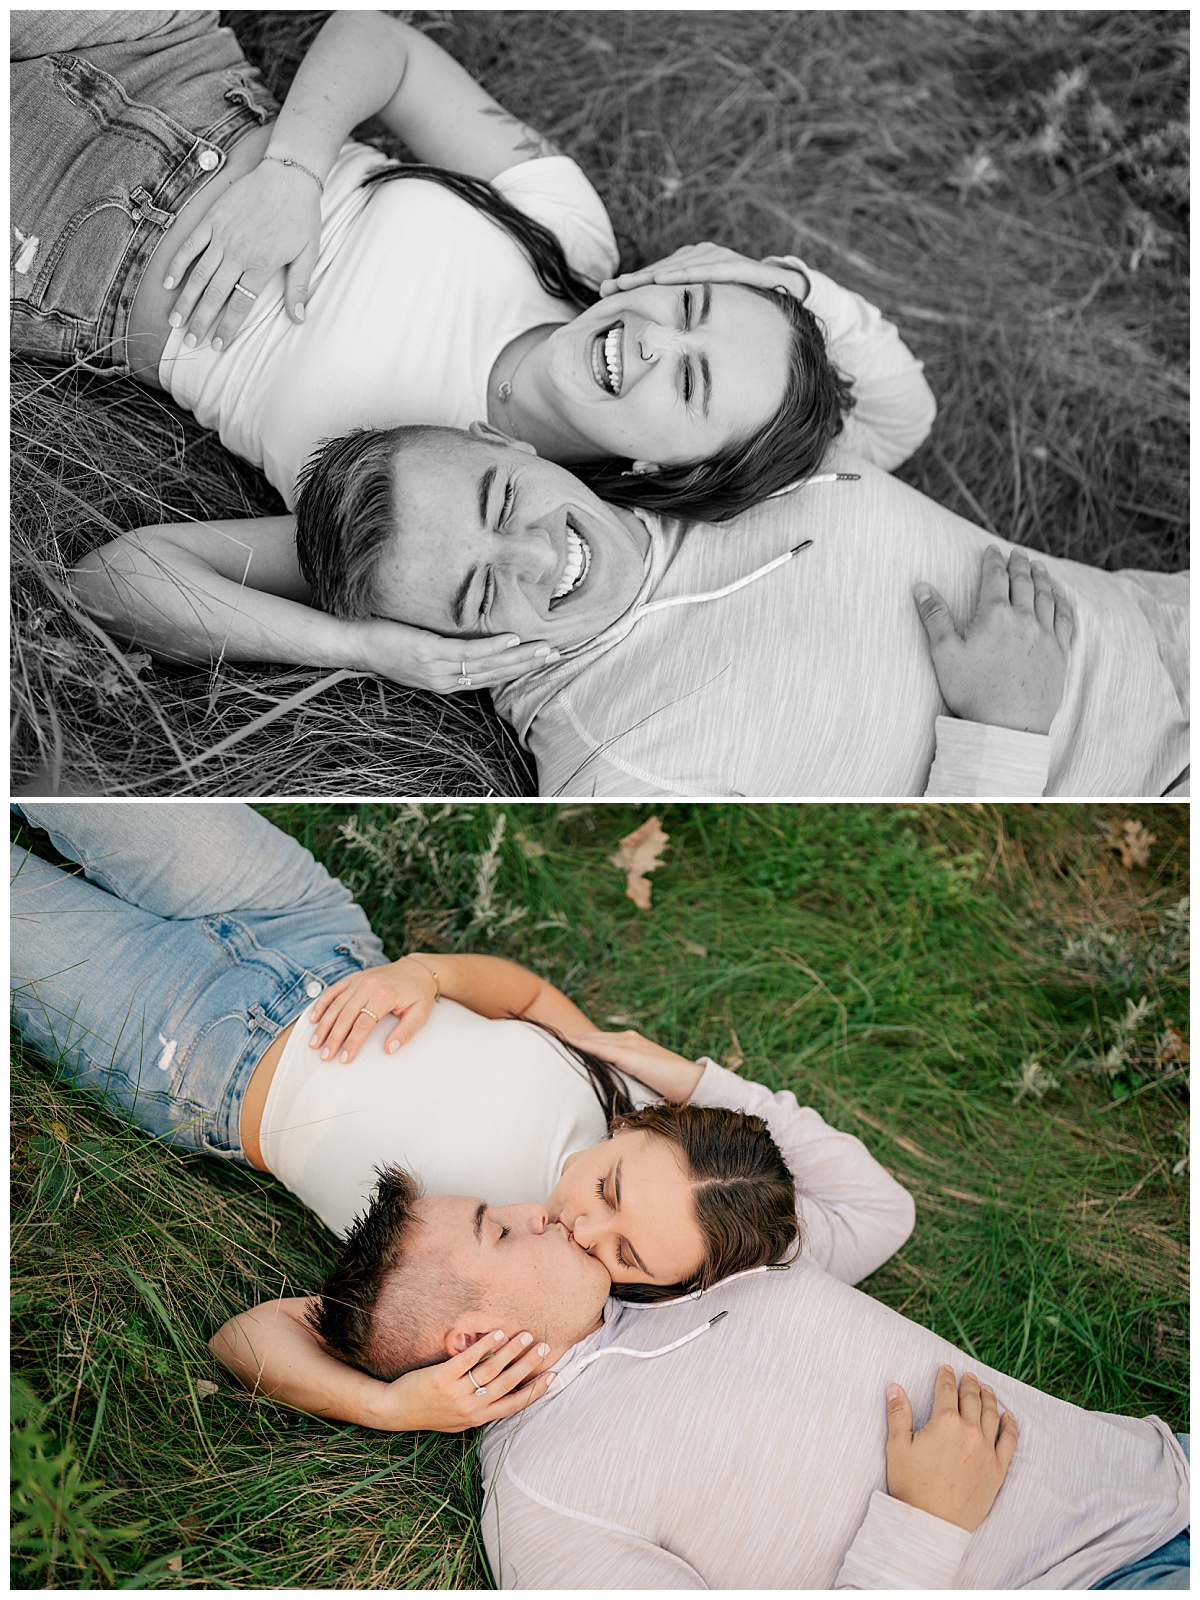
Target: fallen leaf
{"points": [[636, 855], [175, 1564], [620, 1020], [59, 1131], [734, 1055], [695, 949], [189, 1526], [205, 1387], [530, 848]]}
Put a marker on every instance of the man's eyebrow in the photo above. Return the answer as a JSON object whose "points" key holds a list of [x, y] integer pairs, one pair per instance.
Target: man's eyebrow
{"points": [[458, 605], [477, 1221], [485, 493], [617, 1189]]}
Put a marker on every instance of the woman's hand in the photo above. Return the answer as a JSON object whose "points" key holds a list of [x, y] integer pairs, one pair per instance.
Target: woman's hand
{"points": [[266, 221], [660, 1069], [707, 263], [349, 1009], [1008, 666], [954, 1466], [422, 660], [445, 1397]]}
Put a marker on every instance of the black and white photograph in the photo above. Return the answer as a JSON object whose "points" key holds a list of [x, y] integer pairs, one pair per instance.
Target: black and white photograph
{"points": [[600, 404]]}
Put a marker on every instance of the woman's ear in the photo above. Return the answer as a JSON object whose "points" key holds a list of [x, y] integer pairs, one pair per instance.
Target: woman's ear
{"points": [[490, 435], [640, 468]]}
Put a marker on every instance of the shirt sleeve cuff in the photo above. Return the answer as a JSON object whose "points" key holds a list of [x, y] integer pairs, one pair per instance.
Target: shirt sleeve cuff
{"points": [[975, 758], [899, 1547], [717, 1087]]}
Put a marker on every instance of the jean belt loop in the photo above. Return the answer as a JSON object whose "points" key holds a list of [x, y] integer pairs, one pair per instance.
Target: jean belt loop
{"points": [[144, 209]]}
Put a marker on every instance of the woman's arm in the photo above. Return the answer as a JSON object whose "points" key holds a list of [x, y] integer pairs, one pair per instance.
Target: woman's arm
{"points": [[345, 1013], [361, 64], [272, 1350], [201, 592]]}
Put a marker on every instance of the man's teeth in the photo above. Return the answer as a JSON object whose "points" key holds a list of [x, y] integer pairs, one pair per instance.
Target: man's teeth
{"points": [[608, 366], [575, 568]]}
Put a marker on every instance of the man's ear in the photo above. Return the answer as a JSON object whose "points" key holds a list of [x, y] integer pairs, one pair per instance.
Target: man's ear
{"points": [[466, 1332], [490, 435], [640, 468]]}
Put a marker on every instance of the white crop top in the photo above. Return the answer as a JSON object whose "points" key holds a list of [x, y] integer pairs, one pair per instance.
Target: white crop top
{"points": [[414, 295], [470, 1105]]}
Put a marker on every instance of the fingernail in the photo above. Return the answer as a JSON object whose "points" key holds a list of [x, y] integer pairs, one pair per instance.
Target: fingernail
{"points": [[175, 319], [218, 344], [543, 1349], [313, 1042], [550, 1377], [510, 644], [498, 1335], [987, 1388], [553, 656], [922, 591], [300, 313], [345, 1056], [325, 1054], [893, 1391], [526, 1338], [542, 653], [190, 342], [168, 283], [393, 1047]]}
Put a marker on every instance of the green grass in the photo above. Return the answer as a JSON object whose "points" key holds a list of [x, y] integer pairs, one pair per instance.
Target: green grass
{"points": [[894, 966], [1010, 187]]}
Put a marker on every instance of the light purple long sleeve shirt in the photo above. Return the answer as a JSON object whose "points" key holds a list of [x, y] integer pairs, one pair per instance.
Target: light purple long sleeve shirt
{"points": [[672, 1452]]}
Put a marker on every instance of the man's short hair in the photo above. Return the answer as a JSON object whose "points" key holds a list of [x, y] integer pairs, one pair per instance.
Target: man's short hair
{"points": [[387, 1305], [346, 513]]}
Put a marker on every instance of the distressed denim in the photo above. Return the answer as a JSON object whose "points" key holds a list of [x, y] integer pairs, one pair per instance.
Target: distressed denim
{"points": [[155, 977], [117, 119]]}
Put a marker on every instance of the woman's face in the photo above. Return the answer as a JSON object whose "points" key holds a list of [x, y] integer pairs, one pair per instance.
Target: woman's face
{"points": [[629, 1203], [666, 374]]}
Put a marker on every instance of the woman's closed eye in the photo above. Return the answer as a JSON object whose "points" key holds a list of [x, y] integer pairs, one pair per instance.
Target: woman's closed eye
{"points": [[622, 1259]]}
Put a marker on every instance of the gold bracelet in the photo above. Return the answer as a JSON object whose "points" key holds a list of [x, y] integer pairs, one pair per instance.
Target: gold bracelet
{"points": [[437, 982]]}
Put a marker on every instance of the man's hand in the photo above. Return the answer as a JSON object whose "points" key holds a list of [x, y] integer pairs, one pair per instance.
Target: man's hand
{"points": [[954, 1466], [1008, 666], [422, 660]]}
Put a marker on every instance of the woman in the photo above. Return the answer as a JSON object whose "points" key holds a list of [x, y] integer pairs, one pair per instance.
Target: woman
{"points": [[450, 297], [175, 981]]}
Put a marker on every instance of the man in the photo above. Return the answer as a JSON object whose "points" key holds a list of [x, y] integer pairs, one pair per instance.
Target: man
{"points": [[688, 659], [737, 1441]]}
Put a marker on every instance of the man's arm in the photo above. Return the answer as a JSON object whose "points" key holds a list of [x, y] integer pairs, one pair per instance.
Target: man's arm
{"points": [[273, 1351], [232, 590]]}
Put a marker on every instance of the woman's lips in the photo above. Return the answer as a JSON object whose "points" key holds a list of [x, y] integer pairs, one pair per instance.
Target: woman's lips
{"points": [[608, 359]]}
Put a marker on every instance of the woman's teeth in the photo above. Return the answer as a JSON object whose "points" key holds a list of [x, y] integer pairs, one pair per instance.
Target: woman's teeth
{"points": [[575, 568], [608, 365]]}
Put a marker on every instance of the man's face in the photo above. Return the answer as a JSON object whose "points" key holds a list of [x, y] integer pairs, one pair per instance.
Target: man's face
{"points": [[493, 540], [530, 1274]]}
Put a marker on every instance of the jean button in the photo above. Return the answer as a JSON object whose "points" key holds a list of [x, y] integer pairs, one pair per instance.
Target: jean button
{"points": [[209, 160], [312, 988]]}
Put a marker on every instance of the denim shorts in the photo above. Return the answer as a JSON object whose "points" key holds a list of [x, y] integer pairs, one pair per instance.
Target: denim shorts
{"points": [[117, 119], [155, 977]]}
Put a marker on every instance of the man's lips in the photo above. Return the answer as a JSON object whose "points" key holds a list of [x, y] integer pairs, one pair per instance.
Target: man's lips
{"points": [[576, 564]]}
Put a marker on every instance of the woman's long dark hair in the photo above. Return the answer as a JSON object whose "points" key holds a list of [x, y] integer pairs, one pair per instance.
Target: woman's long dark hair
{"points": [[742, 1188], [786, 451]]}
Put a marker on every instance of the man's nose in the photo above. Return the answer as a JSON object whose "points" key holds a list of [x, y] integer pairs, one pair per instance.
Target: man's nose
{"points": [[530, 552], [531, 1216]]}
